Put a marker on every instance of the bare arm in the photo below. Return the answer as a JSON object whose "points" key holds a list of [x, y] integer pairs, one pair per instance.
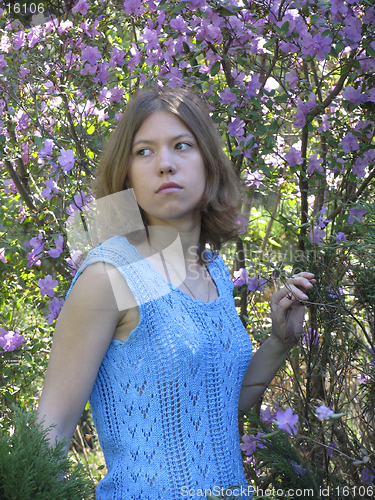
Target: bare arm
{"points": [[287, 326], [83, 332]]}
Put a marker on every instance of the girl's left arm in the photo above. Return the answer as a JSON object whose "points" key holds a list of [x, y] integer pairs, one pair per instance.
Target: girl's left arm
{"points": [[288, 312]]}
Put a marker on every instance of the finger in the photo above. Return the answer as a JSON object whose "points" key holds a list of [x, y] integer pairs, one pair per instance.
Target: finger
{"points": [[295, 291], [304, 274], [287, 295], [300, 281]]}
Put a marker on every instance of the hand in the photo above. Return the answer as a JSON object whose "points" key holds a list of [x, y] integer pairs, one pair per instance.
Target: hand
{"points": [[288, 309]]}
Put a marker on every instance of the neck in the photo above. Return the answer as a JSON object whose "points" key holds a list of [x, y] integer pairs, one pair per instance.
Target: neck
{"points": [[187, 233]]}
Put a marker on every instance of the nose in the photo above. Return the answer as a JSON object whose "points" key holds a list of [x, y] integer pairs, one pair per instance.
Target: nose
{"points": [[165, 162]]}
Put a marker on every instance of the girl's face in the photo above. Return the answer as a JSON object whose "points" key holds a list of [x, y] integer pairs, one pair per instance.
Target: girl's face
{"points": [[165, 151]]}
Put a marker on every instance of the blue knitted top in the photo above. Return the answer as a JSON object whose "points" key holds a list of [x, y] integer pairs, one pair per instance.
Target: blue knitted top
{"points": [[165, 401]]}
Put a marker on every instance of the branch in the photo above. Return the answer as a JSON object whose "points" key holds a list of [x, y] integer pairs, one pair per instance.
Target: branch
{"points": [[354, 196], [270, 224], [20, 187], [74, 134], [20, 164], [335, 92], [303, 186]]}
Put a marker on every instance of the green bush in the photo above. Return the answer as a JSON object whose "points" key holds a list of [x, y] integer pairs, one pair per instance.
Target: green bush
{"points": [[32, 470]]}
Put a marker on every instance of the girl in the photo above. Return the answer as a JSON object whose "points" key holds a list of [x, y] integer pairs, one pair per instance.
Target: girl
{"points": [[166, 368]]}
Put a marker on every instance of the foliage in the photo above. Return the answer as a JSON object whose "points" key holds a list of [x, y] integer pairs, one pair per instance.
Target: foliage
{"points": [[290, 86], [30, 469]]}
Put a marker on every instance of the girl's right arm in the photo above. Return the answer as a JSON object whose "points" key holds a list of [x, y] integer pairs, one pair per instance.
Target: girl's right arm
{"points": [[84, 330]]}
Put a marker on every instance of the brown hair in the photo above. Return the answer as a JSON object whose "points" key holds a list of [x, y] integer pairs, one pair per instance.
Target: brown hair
{"points": [[220, 204]]}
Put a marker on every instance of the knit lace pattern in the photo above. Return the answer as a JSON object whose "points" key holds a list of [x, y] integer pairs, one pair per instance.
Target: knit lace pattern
{"points": [[165, 401]]}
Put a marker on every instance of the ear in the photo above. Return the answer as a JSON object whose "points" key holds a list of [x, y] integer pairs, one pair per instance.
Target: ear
{"points": [[127, 183]]}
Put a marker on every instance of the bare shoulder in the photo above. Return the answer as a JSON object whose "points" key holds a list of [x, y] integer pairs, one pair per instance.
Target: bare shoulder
{"points": [[84, 330], [101, 287]]}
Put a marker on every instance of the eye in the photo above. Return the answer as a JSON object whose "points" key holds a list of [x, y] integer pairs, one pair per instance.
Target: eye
{"points": [[181, 146], [143, 152]]}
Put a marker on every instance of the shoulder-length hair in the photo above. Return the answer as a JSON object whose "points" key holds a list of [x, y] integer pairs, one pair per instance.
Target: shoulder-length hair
{"points": [[221, 201]]}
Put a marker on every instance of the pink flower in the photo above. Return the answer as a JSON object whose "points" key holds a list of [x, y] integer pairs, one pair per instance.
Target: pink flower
{"points": [[179, 24], [367, 476], [3, 62], [208, 31], [311, 337], [256, 283], [315, 165], [51, 187], [37, 243], [116, 94], [59, 242], [334, 294], [294, 157], [324, 412], [354, 95], [47, 285], [22, 212], [236, 127], [151, 38], [325, 124], [91, 54], [267, 416], [241, 223], [10, 340], [292, 79], [227, 97], [321, 221], [10, 187], [55, 307], [352, 30], [359, 168], [82, 7], [47, 150], [240, 277], [356, 212], [66, 159], [250, 443], [287, 420], [317, 236], [300, 117], [350, 143], [2, 255], [322, 46], [117, 58], [253, 86], [133, 7], [253, 178], [19, 40]]}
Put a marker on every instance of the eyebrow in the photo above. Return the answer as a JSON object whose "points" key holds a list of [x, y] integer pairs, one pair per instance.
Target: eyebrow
{"points": [[175, 138]]}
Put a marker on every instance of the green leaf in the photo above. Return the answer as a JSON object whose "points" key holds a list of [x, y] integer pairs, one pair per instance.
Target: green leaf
{"points": [[271, 42], [281, 98], [215, 68], [91, 129], [284, 28], [28, 357], [179, 7], [369, 50]]}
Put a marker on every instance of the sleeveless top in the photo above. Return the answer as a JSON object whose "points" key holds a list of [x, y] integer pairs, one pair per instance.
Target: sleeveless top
{"points": [[165, 401]]}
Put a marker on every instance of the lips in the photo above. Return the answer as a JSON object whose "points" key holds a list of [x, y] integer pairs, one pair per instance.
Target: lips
{"points": [[169, 187]]}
